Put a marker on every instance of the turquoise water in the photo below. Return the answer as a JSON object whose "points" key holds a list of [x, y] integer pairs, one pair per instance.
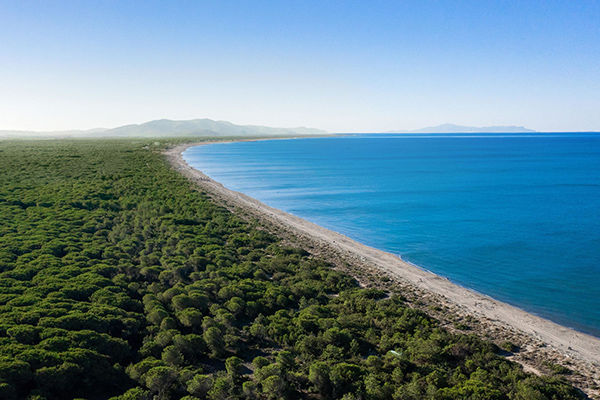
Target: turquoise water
{"points": [[516, 217]]}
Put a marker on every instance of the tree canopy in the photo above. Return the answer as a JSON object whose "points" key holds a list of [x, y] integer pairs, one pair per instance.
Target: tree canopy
{"points": [[119, 279]]}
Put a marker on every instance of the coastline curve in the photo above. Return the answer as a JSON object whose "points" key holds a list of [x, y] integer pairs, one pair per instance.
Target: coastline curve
{"points": [[577, 348]]}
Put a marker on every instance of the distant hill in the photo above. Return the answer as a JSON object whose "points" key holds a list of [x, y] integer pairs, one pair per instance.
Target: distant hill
{"points": [[451, 128], [165, 127]]}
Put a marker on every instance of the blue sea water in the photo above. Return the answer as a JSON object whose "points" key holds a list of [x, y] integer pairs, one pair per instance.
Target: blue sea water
{"points": [[516, 217]]}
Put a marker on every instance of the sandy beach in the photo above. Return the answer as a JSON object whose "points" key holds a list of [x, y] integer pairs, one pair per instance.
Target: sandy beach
{"points": [[540, 340]]}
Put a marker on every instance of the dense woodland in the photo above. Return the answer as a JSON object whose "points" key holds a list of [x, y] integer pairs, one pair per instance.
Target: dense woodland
{"points": [[118, 279]]}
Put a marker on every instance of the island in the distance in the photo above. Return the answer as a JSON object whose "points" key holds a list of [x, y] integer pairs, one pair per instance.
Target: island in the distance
{"points": [[452, 128]]}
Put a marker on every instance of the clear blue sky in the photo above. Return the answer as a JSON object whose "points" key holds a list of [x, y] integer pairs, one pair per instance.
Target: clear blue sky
{"points": [[341, 66]]}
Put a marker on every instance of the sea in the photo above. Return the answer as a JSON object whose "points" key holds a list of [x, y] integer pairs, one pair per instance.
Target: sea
{"points": [[512, 216]]}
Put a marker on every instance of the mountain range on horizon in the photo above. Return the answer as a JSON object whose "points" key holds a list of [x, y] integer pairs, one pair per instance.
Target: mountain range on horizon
{"points": [[166, 127], [209, 127], [452, 128]]}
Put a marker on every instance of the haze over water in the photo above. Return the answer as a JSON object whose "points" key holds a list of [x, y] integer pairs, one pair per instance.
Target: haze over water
{"points": [[516, 217]]}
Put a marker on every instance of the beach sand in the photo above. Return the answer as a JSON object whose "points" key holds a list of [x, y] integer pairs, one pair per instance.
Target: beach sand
{"points": [[540, 340]]}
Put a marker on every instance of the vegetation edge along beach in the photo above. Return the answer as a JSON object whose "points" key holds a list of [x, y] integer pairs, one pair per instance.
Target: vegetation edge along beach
{"points": [[540, 339], [121, 279]]}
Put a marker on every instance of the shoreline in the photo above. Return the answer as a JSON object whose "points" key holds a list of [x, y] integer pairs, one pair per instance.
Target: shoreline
{"points": [[539, 339]]}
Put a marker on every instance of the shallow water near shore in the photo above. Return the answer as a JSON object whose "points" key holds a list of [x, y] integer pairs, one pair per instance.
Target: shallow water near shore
{"points": [[515, 217]]}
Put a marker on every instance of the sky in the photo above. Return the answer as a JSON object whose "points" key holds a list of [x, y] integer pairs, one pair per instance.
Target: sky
{"points": [[342, 66]]}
